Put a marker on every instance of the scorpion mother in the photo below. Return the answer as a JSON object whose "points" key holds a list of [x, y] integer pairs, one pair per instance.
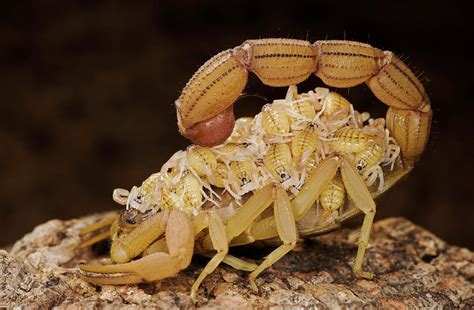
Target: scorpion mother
{"points": [[302, 155]]}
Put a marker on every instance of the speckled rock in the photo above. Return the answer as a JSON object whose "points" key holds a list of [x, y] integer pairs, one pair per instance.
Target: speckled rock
{"points": [[413, 269]]}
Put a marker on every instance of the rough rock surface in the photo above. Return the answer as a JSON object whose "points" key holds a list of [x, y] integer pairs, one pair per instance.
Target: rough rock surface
{"points": [[413, 268]]}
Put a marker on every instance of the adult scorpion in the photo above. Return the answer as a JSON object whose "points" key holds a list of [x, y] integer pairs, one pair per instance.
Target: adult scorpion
{"points": [[302, 155]]}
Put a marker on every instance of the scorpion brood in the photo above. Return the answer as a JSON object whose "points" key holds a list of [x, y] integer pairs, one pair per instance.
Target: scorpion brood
{"points": [[303, 155]]}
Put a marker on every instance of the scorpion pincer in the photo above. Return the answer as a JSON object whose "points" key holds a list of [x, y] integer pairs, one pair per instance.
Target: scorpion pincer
{"points": [[311, 157]]}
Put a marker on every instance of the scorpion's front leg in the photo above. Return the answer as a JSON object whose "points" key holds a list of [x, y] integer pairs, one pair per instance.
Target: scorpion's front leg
{"points": [[105, 223], [179, 240]]}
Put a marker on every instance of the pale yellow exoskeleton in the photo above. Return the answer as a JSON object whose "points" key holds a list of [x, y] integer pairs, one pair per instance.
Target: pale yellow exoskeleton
{"points": [[304, 143], [382, 151], [219, 175], [242, 177], [372, 155], [202, 160], [205, 115], [189, 189], [233, 151], [311, 163], [368, 161], [332, 197], [170, 200], [278, 161], [335, 107], [350, 140], [143, 198], [242, 130], [335, 113], [275, 120], [301, 107]]}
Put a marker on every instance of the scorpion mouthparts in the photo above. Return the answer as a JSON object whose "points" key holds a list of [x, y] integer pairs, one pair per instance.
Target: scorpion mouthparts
{"points": [[213, 131]]}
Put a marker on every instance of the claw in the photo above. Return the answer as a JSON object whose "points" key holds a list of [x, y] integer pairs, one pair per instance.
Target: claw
{"points": [[149, 268], [180, 241]]}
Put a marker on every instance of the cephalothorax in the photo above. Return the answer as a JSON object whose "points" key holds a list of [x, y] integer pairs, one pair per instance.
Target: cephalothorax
{"points": [[311, 156]]}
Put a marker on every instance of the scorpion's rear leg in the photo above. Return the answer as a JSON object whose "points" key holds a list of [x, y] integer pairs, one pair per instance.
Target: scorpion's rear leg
{"points": [[180, 242], [359, 193]]}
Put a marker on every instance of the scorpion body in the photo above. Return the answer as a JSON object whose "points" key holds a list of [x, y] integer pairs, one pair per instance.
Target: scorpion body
{"points": [[311, 157]]}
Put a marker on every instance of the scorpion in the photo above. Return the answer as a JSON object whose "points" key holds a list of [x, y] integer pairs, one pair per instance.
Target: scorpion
{"points": [[300, 168]]}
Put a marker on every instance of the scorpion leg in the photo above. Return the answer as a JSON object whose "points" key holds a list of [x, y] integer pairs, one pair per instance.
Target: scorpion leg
{"points": [[244, 217], [201, 222], [107, 222], [359, 193], [180, 242], [246, 214], [313, 187], [235, 262], [287, 232], [304, 200], [219, 241], [238, 263]]}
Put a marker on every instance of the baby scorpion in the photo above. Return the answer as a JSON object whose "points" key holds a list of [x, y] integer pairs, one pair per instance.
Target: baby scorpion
{"points": [[311, 156]]}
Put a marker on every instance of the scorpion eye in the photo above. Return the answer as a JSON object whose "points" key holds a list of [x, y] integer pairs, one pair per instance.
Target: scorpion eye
{"points": [[284, 176], [130, 221], [244, 181], [359, 166], [129, 217]]}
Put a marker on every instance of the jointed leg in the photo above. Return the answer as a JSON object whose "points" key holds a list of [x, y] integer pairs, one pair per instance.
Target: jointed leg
{"points": [[99, 225], [246, 214], [201, 222], [95, 227], [238, 263], [286, 226], [363, 242], [219, 241], [180, 242], [309, 193], [359, 193], [313, 186]]}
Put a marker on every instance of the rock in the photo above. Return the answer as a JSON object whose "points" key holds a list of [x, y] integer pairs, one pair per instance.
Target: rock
{"points": [[413, 268]]}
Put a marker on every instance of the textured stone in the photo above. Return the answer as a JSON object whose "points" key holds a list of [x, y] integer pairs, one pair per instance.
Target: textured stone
{"points": [[413, 269]]}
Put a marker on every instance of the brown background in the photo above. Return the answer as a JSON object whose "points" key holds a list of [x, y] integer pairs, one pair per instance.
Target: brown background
{"points": [[87, 91]]}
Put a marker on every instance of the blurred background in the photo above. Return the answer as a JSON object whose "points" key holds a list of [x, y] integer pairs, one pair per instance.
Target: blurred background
{"points": [[87, 92]]}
